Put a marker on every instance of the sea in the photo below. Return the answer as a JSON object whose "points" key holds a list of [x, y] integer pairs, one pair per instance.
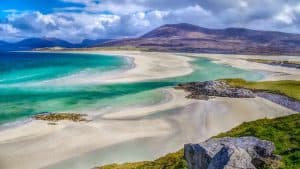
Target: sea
{"points": [[35, 82]]}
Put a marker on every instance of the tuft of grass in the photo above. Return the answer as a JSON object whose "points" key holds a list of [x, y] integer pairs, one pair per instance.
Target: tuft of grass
{"points": [[170, 161], [284, 132], [290, 88]]}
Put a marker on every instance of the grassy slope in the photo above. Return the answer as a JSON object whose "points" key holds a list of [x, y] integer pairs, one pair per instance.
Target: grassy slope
{"points": [[170, 161], [284, 132], [289, 88]]}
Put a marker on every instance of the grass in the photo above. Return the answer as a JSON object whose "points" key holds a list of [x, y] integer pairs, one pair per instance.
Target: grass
{"points": [[170, 161], [290, 88], [284, 132]]}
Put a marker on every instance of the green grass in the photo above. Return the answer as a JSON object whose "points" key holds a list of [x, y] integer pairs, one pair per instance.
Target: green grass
{"points": [[284, 132], [170, 161], [290, 88]]}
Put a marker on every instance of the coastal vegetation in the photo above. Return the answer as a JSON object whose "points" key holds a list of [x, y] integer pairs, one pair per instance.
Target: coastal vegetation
{"points": [[284, 132], [290, 88], [54, 117]]}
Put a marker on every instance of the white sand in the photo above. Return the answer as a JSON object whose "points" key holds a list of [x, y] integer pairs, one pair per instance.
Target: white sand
{"points": [[37, 144], [147, 66], [150, 66], [138, 133]]}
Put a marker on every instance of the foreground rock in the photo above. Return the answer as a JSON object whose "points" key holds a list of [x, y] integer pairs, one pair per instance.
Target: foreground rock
{"points": [[203, 90], [54, 117], [231, 153]]}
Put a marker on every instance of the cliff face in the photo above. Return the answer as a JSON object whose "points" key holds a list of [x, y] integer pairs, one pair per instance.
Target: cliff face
{"points": [[191, 38]]}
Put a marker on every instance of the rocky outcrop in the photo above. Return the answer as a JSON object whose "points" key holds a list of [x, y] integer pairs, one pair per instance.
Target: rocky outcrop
{"points": [[203, 90], [231, 153], [54, 117]]}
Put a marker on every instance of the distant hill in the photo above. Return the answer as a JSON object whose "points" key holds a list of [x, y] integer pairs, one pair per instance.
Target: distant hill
{"points": [[190, 38], [3, 45], [38, 43], [92, 43], [32, 43], [184, 38]]}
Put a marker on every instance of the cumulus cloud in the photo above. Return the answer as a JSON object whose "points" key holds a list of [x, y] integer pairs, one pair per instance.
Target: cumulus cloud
{"points": [[128, 18], [70, 26]]}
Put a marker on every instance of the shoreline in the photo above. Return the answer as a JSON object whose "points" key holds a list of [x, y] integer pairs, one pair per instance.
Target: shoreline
{"points": [[181, 125], [271, 72], [175, 121], [145, 66]]}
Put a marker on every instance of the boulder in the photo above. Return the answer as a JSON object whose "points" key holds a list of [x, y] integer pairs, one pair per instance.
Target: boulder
{"points": [[229, 153]]}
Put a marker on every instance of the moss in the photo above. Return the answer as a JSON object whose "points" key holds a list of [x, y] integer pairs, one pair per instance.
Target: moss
{"points": [[284, 132], [288, 88]]}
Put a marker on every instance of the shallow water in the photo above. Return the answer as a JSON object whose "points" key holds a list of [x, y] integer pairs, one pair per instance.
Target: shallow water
{"points": [[21, 97]]}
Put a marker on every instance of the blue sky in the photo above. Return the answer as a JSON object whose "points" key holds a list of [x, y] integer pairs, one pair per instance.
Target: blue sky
{"points": [[75, 20]]}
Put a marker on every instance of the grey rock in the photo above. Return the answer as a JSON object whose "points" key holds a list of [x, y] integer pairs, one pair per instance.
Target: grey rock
{"points": [[203, 90], [231, 157], [228, 153]]}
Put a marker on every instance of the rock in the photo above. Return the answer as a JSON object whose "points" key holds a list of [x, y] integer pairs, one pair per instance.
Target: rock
{"points": [[229, 153], [231, 157], [204, 90], [54, 117]]}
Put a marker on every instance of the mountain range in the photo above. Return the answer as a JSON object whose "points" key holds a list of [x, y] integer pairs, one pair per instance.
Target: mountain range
{"points": [[190, 38], [35, 43], [185, 37]]}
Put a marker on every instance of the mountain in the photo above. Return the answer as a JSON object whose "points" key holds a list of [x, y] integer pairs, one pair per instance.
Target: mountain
{"points": [[4, 45], [33, 43], [190, 38], [92, 43]]}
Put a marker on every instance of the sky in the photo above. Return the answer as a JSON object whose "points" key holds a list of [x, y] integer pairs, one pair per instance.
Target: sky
{"points": [[75, 20]]}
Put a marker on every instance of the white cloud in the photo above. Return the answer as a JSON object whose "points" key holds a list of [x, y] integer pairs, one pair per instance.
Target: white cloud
{"points": [[9, 29], [287, 15], [127, 18], [70, 26]]}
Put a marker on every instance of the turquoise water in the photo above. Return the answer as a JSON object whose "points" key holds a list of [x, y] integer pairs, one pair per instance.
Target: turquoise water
{"points": [[19, 99]]}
